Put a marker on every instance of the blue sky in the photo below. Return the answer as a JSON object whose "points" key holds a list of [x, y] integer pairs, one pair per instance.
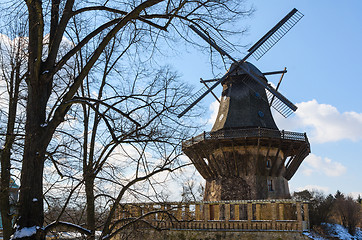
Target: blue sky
{"points": [[323, 56]]}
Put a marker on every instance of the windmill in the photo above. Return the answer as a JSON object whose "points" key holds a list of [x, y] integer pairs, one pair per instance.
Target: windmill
{"points": [[246, 156], [278, 101]]}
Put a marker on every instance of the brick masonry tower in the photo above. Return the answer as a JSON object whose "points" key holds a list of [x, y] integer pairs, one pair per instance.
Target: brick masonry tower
{"points": [[246, 156]]}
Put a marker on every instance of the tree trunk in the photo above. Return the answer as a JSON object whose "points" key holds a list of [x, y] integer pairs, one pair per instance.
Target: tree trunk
{"points": [[6, 215], [4, 194], [89, 190], [36, 141]]}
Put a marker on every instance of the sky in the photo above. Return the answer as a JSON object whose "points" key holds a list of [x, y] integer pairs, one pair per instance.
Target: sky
{"points": [[322, 54]]}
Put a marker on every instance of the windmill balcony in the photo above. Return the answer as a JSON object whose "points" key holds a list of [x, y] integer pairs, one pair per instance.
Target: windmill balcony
{"points": [[247, 133], [286, 151]]}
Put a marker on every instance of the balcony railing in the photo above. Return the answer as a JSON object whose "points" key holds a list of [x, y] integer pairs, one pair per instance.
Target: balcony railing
{"points": [[256, 215], [246, 133]]}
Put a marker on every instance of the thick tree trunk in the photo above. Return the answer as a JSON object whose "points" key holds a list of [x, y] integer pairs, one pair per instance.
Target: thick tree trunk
{"points": [[36, 142]]}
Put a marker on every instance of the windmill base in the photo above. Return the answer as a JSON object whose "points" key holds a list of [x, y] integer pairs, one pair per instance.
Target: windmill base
{"points": [[246, 188]]}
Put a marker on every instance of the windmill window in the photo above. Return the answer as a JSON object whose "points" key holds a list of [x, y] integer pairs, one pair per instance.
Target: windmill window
{"points": [[270, 185], [261, 114], [268, 163]]}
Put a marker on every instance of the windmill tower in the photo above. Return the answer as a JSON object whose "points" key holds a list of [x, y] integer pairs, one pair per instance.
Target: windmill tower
{"points": [[246, 156]]}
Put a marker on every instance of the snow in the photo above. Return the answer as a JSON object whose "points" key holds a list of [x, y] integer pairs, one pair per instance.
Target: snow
{"points": [[313, 236], [336, 231], [43, 125], [35, 199], [74, 235], [45, 72], [24, 232]]}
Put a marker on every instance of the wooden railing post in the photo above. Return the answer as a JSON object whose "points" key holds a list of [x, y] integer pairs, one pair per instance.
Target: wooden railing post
{"points": [[206, 212], [299, 217], [281, 211], [274, 214], [197, 212], [257, 212], [187, 212], [179, 212], [227, 212], [250, 213], [306, 215], [237, 211], [162, 215]]}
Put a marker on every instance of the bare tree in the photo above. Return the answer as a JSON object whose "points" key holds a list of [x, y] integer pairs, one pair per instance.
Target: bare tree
{"points": [[13, 68], [48, 104], [349, 213], [320, 206]]}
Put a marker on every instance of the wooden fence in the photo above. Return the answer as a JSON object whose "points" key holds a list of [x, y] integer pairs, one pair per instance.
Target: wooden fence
{"points": [[256, 215]]}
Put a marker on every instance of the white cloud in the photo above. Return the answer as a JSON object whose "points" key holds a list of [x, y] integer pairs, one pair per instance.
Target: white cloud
{"points": [[314, 188], [214, 108], [316, 164], [355, 194], [324, 122]]}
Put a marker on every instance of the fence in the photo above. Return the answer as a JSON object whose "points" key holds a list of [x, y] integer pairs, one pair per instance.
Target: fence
{"points": [[256, 215]]}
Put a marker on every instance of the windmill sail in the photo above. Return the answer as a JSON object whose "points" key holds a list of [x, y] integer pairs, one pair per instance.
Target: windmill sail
{"points": [[282, 104], [275, 34], [196, 97]]}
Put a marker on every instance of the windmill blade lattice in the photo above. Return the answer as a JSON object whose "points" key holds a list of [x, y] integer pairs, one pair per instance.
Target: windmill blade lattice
{"points": [[278, 105], [275, 34], [191, 100]]}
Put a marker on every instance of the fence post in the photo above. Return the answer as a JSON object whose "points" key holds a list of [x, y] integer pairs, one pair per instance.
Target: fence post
{"points": [[227, 212], [281, 211], [187, 212], [179, 212], [206, 212], [274, 215], [257, 212], [306, 215], [299, 217], [250, 214], [197, 212], [236, 211]]}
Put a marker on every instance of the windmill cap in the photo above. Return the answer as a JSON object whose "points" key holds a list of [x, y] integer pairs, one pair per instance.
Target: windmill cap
{"points": [[248, 68]]}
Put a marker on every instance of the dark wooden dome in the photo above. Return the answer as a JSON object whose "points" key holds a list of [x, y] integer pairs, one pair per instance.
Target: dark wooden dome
{"points": [[244, 103]]}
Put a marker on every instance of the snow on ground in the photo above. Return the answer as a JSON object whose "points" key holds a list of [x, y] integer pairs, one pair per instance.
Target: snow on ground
{"points": [[338, 231], [24, 232]]}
